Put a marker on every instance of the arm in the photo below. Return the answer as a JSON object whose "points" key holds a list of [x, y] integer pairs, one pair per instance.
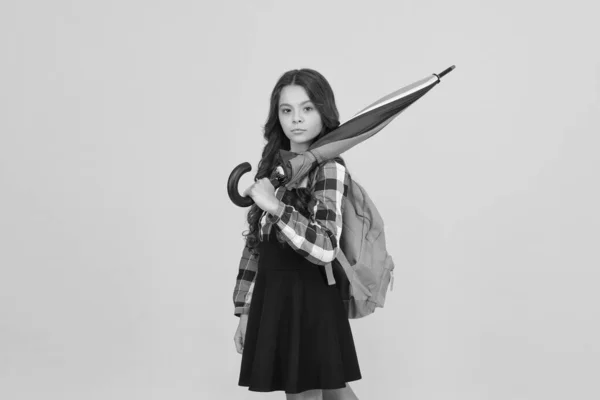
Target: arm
{"points": [[242, 293], [318, 239]]}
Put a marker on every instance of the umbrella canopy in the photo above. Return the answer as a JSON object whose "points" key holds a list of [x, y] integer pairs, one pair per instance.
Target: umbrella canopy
{"points": [[360, 127]]}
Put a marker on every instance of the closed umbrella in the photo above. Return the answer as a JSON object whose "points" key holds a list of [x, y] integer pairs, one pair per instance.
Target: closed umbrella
{"points": [[360, 127]]}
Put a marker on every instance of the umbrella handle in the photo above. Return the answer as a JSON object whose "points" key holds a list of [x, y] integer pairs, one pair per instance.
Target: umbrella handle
{"points": [[232, 186], [444, 72]]}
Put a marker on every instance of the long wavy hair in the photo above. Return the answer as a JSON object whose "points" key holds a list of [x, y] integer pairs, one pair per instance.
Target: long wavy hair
{"points": [[320, 93]]}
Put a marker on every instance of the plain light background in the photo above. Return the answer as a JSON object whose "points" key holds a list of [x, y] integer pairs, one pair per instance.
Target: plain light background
{"points": [[121, 121]]}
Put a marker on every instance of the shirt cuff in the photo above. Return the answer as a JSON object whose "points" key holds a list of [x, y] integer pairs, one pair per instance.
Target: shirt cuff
{"points": [[241, 311]]}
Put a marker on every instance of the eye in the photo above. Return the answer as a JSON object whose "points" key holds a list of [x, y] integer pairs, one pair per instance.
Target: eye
{"points": [[285, 110], [308, 108]]}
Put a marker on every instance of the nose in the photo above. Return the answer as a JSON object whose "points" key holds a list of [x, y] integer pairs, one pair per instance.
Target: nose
{"points": [[297, 118]]}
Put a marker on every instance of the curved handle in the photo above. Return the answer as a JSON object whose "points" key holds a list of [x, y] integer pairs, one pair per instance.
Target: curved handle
{"points": [[232, 186]]}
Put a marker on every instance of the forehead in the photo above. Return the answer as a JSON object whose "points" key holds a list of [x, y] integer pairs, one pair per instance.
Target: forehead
{"points": [[293, 95]]}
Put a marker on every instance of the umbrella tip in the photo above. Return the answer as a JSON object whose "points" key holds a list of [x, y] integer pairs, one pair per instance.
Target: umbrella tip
{"points": [[440, 75]]}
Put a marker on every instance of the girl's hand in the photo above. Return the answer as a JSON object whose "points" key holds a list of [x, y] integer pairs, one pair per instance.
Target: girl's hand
{"points": [[263, 194], [240, 333]]}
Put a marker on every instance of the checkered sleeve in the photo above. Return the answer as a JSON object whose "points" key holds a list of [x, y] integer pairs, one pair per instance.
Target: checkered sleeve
{"points": [[318, 239], [242, 293]]}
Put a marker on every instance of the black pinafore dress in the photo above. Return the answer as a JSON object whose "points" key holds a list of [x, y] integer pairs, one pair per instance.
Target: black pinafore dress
{"points": [[298, 335]]}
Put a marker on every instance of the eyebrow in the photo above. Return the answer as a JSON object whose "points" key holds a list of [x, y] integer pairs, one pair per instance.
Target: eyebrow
{"points": [[286, 104]]}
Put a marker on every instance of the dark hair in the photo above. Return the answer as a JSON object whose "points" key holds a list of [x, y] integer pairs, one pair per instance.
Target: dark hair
{"points": [[320, 93]]}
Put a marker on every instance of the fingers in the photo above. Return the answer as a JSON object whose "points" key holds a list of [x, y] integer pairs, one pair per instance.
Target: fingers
{"points": [[260, 184], [248, 190], [239, 346]]}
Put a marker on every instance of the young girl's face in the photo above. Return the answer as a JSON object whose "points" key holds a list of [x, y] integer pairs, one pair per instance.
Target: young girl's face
{"points": [[299, 118]]}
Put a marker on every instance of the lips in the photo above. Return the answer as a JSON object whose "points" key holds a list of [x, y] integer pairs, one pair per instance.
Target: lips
{"points": [[298, 130]]}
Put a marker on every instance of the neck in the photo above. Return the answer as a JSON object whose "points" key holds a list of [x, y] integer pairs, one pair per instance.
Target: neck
{"points": [[298, 148]]}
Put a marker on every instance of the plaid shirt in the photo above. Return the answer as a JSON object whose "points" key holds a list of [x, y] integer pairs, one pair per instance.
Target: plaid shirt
{"points": [[317, 239]]}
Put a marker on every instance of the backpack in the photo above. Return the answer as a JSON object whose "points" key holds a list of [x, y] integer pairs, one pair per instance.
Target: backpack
{"points": [[363, 268]]}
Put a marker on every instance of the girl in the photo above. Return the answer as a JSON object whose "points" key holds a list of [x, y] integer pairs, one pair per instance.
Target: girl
{"points": [[294, 334]]}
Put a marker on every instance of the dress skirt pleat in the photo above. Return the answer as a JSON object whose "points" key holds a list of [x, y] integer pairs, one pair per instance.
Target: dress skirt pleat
{"points": [[298, 335]]}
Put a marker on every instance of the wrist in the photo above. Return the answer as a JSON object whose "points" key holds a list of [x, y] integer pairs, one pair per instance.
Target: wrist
{"points": [[272, 209]]}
